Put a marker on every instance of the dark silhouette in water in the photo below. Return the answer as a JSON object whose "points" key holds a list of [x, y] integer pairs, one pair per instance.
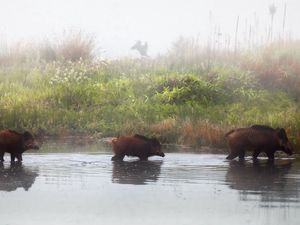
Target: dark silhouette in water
{"points": [[16, 144], [267, 179], [141, 48], [135, 172], [258, 138], [16, 176], [136, 145]]}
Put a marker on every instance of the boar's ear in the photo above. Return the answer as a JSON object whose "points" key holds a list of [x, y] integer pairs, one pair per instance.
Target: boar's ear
{"points": [[27, 135], [282, 134]]}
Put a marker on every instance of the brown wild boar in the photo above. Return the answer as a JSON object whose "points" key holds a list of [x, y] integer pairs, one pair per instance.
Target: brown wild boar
{"points": [[136, 145], [258, 138], [16, 143]]}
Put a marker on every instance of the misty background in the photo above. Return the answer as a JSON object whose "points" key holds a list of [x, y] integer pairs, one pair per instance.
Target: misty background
{"points": [[117, 24]]}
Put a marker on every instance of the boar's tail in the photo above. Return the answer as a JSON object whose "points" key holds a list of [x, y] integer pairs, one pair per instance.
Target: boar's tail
{"points": [[229, 132]]}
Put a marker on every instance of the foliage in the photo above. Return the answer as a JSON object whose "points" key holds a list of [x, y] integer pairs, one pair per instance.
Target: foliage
{"points": [[186, 106]]}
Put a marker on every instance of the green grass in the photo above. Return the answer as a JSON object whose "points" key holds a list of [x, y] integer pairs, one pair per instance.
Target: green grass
{"points": [[185, 104]]}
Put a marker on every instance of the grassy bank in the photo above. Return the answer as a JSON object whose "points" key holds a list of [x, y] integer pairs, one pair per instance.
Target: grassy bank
{"points": [[181, 98]]}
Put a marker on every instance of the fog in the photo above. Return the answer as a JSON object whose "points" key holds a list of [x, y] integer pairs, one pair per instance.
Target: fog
{"points": [[117, 24], [214, 66]]}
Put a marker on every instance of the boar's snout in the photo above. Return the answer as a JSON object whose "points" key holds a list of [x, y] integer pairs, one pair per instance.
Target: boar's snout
{"points": [[285, 144], [288, 149], [161, 154], [29, 141], [158, 152], [31, 144], [156, 147]]}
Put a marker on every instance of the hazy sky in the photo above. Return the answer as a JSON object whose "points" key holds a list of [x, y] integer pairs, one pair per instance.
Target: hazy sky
{"points": [[118, 23]]}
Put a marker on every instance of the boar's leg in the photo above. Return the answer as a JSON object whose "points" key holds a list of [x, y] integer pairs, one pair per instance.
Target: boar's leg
{"points": [[1, 156], [118, 157], [19, 157], [270, 155], [242, 155], [232, 155], [255, 153], [12, 157]]}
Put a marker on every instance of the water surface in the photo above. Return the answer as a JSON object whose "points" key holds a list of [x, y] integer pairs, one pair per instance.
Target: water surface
{"points": [[182, 188]]}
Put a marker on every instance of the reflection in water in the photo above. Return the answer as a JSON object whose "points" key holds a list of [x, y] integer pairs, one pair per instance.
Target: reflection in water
{"points": [[185, 188], [266, 180], [136, 172], [15, 176]]}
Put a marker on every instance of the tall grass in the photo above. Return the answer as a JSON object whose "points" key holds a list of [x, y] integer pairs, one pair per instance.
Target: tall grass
{"points": [[71, 46]]}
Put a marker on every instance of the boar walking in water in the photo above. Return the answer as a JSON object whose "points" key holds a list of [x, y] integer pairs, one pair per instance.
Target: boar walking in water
{"points": [[136, 145], [258, 138], [16, 143]]}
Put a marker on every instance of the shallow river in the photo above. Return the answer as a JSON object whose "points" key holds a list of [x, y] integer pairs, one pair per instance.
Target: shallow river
{"points": [[182, 188]]}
